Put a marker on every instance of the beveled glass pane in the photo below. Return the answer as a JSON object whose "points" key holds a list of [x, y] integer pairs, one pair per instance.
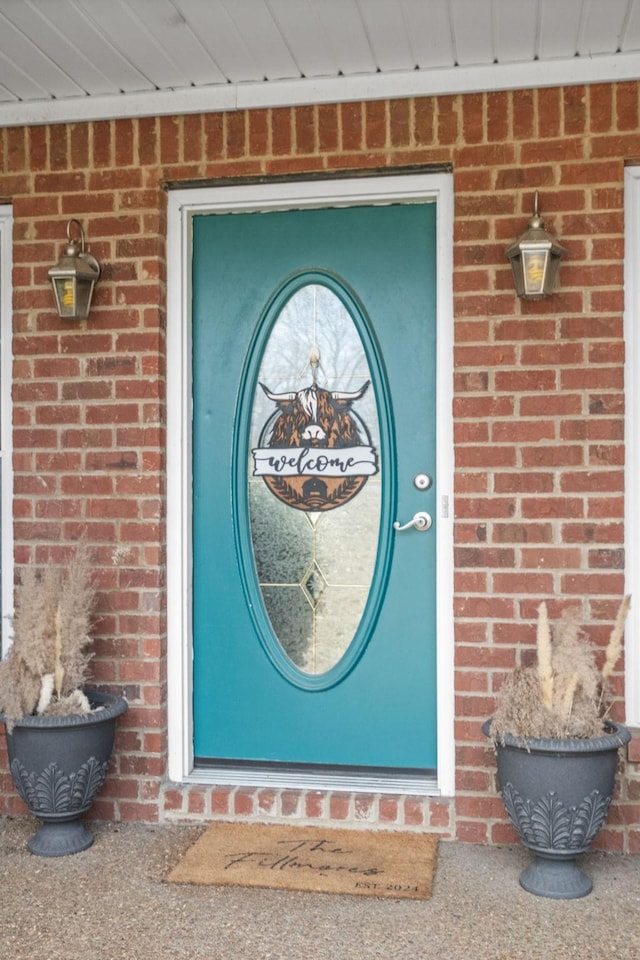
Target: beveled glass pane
{"points": [[339, 609], [314, 481], [346, 541], [281, 537], [292, 620]]}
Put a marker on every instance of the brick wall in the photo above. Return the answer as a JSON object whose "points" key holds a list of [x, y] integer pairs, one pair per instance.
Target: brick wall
{"points": [[538, 397]]}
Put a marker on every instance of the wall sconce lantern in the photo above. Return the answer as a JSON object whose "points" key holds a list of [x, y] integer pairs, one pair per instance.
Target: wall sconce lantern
{"points": [[535, 259], [74, 277]]}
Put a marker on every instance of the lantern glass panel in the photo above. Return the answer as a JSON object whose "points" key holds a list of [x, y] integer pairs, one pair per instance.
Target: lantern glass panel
{"points": [[73, 296], [534, 268], [84, 291], [65, 289]]}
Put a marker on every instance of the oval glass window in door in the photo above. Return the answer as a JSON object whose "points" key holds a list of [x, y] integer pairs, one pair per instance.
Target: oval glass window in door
{"points": [[314, 478]]}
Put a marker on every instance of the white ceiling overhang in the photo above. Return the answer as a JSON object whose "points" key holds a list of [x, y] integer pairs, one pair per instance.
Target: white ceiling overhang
{"points": [[69, 60]]}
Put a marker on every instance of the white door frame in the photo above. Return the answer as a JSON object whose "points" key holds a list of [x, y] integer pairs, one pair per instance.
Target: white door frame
{"points": [[632, 439], [282, 195], [6, 423]]}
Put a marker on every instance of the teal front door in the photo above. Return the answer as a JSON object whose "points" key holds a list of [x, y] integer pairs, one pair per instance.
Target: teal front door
{"points": [[314, 441]]}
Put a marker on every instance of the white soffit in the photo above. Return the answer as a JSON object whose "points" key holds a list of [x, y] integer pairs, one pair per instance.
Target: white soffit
{"points": [[67, 60]]}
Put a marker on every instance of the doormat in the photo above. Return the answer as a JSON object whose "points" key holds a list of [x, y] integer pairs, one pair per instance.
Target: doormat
{"points": [[367, 863]]}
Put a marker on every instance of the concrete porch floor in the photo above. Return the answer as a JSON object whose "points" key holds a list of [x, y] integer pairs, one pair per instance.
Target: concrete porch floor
{"points": [[111, 903]]}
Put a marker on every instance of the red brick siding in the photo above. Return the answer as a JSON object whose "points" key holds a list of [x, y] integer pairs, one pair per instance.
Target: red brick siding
{"points": [[538, 403]]}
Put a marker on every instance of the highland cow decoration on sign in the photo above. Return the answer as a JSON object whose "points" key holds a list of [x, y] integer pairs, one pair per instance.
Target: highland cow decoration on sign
{"points": [[314, 452]]}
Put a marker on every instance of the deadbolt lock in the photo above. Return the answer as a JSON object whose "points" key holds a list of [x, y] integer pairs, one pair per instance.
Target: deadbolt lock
{"points": [[422, 481]]}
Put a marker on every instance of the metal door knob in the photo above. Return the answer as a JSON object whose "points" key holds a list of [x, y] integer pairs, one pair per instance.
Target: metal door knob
{"points": [[421, 521]]}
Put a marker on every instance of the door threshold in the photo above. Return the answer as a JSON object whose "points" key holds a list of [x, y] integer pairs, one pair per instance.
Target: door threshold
{"points": [[304, 777]]}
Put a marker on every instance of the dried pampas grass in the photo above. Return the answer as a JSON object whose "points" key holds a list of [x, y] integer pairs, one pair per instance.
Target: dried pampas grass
{"points": [[564, 694], [545, 668], [49, 657]]}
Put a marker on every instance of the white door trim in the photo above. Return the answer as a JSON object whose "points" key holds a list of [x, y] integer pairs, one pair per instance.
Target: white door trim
{"points": [[281, 195], [6, 423], [632, 439]]}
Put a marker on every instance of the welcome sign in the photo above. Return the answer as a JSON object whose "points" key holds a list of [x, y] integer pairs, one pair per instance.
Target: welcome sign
{"points": [[307, 462], [316, 454]]}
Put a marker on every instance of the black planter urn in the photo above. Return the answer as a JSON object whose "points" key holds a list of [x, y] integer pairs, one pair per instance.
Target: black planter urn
{"points": [[58, 765], [557, 794]]}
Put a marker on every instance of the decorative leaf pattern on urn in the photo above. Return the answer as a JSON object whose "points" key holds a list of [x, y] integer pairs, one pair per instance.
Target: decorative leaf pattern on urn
{"points": [[551, 822], [590, 816], [86, 782], [52, 791], [547, 823]]}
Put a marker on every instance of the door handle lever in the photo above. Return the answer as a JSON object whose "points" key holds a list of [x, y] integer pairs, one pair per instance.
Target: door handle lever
{"points": [[421, 521]]}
